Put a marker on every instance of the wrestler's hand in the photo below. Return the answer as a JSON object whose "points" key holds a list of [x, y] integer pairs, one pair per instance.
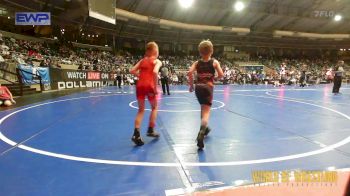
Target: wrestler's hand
{"points": [[191, 89], [155, 91]]}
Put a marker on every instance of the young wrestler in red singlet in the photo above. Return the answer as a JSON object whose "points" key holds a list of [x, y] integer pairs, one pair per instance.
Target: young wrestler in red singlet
{"points": [[205, 69], [147, 71]]}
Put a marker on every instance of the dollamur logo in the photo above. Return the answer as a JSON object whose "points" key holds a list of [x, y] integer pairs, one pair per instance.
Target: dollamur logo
{"points": [[33, 18]]}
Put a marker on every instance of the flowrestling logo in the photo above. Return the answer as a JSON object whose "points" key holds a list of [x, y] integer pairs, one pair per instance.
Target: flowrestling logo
{"points": [[33, 18]]}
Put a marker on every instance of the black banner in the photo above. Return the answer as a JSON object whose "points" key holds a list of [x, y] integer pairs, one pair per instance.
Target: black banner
{"points": [[67, 79]]}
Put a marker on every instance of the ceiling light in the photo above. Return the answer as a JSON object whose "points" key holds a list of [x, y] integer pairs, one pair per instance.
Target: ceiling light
{"points": [[338, 17], [186, 3], [239, 6]]}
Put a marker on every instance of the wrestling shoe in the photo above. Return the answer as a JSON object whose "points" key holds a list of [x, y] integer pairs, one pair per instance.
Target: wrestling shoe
{"points": [[152, 133], [207, 131], [137, 140], [200, 139]]}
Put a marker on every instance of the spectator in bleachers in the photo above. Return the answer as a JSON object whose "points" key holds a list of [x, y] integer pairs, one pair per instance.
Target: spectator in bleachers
{"points": [[93, 59], [55, 64], [45, 63], [29, 62], [20, 60], [2, 60], [4, 48]]}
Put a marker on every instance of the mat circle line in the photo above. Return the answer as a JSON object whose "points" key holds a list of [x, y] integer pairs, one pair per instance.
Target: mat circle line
{"points": [[170, 164], [222, 104]]}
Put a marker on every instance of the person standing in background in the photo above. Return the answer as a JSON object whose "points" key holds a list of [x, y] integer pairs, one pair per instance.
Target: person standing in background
{"points": [[302, 79], [119, 77], [338, 75], [283, 73], [164, 79]]}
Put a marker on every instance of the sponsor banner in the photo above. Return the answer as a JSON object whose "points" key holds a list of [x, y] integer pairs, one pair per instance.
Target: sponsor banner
{"points": [[82, 84], [67, 79], [30, 79], [33, 18]]}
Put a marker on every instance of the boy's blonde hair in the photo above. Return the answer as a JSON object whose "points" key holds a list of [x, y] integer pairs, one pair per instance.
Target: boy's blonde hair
{"points": [[151, 46], [205, 47]]}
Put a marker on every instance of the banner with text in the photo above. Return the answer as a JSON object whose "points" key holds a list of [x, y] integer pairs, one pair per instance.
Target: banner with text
{"points": [[30, 74], [68, 79]]}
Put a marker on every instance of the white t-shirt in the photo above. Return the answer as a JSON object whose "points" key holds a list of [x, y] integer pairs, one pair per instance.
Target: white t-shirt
{"points": [[20, 60], [283, 71], [175, 78], [4, 47]]}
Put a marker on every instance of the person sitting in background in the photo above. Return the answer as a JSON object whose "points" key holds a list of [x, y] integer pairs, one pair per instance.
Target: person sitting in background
{"points": [[4, 49], [81, 67], [45, 63], [48, 62], [6, 98], [30, 62], [20, 60], [175, 79], [2, 62], [55, 64], [90, 67]]}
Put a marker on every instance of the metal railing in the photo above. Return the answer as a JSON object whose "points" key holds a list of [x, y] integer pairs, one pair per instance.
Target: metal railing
{"points": [[18, 75], [4, 74], [20, 78]]}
